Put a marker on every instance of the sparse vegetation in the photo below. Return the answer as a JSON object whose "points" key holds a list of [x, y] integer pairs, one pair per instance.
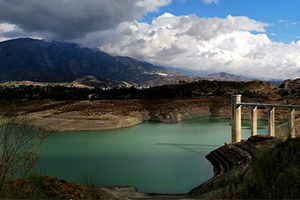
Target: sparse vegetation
{"points": [[29, 188], [183, 90], [274, 174], [48, 187], [19, 146]]}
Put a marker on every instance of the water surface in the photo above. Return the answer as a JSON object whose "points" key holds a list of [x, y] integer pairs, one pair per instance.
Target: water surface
{"points": [[153, 157]]}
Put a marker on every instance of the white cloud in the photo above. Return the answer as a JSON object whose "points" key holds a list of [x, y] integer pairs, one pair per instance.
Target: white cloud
{"points": [[5, 27], [208, 44], [287, 23], [292, 24], [282, 21], [211, 1]]}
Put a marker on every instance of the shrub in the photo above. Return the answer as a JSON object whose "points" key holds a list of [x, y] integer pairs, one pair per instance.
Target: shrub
{"points": [[275, 174], [19, 146]]}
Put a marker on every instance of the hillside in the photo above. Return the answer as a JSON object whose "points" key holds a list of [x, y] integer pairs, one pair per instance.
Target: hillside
{"points": [[63, 108], [222, 76], [82, 108], [39, 60], [197, 89], [291, 84]]}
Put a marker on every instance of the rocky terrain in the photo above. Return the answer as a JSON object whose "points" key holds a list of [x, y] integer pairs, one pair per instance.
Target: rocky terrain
{"points": [[231, 162], [78, 107], [113, 114], [48, 187]]}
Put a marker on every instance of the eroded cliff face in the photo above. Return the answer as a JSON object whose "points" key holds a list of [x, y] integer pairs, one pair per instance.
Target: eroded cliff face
{"points": [[114, 114], [179, 114], [180, 110]]}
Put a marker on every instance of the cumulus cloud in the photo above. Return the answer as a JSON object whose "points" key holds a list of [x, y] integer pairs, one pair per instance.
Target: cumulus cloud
{"points": [[233, 44], [69, 19]]}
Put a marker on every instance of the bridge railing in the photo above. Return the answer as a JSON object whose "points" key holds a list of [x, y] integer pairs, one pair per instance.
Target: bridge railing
{"points": [[236, 117]]}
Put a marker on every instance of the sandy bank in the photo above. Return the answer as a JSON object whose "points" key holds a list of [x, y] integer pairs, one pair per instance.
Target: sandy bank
{"points": [[114, 114]]}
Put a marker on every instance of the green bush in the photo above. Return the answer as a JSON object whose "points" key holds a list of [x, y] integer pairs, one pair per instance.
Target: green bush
{"points": [[275, 174]]}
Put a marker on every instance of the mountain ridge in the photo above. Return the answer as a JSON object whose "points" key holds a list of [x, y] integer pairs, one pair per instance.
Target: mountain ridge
{"points": [[223, 76], [27, 59], [55, 61]]}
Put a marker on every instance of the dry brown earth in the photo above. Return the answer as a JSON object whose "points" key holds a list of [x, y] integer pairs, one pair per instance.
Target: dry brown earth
{"points": [[114, 114]]}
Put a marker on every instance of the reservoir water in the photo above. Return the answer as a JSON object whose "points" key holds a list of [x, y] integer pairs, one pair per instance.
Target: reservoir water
{"points": [[153, 157]]}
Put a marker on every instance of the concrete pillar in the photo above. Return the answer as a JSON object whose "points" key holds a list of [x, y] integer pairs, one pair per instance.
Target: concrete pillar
{"points": [[253, 120], [291, 126], [236, 117], [271, 121]]}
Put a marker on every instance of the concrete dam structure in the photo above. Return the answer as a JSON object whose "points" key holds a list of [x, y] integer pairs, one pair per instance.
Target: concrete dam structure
{"points": [[236, 118], [232, 161]]}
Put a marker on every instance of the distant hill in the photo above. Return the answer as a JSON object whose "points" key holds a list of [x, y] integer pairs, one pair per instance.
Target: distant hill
{"points": [[275, 81], [100, 83], [222, 76], [39, 60], [291, 84]]}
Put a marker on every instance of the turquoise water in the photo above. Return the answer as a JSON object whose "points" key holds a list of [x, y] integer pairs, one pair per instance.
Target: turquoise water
{"points": [[153, 157]]}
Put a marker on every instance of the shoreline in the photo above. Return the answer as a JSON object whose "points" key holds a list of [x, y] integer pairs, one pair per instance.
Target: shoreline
{"points": [[85, 115], [61, 116]]}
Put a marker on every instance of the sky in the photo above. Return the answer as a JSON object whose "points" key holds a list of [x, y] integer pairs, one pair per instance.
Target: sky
{"points": [[254, 38]]}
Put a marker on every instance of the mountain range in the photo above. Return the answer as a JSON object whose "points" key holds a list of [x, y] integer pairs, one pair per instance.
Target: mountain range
{"points": [[53, 61], [223, 76]]}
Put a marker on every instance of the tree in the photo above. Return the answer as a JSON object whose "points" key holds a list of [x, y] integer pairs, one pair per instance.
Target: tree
{"points": [[19, 146]]}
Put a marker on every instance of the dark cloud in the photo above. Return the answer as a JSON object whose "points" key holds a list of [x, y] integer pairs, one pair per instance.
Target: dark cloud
{"points": [[152, 33], [71, 19], [171, 51]]}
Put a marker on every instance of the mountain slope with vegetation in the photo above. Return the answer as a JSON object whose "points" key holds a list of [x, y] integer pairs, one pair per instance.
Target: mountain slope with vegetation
{"points": [[222, 76], [185, 90], [39, 60]]}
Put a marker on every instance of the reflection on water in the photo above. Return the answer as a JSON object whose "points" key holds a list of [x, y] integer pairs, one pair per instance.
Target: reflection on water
{"points": [[153, 157]]}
